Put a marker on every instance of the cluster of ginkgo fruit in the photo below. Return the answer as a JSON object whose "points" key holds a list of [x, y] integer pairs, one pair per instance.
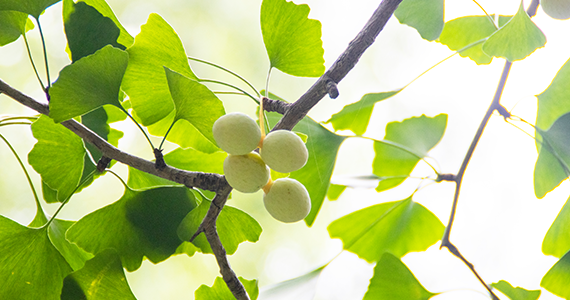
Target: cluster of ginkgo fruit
{"points": [[286, 199]]}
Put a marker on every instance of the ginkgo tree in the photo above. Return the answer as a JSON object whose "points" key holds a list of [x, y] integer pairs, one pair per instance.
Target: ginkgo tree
{"points": [[177, 203]]}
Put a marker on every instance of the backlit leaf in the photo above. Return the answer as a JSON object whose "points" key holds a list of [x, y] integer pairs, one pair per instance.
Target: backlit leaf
{"points": [[58, 156], [102, 278], [426, 16], [220, 291], [186, 159], [87, 30], [292, 40], [557, 278], [515, 40], [555, 100], [141, 223], [31, 7], [12, 26], [417, 135], [461, 32], [194, 102], [554, 156], [156, 46], [392, 280], [356, 116], [102, 7], [557, 240], [30, 266], [335, 191], [74, 255], [88, 83], [234, 227], [396, 227], [515, 293]]}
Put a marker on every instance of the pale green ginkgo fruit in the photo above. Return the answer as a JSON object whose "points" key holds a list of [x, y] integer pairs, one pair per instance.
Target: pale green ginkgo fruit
{"points": [[246, 173], [287, 200], [284, 151], [236, 133], [557, 9]]}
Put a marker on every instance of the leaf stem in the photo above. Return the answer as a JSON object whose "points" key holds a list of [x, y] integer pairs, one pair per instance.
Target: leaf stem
{"points": [[45, 54], [37, 199], [32, 61], [139, 126], [87, 178], [166, 134], [231, 86], [226, 70], [488, 16]]}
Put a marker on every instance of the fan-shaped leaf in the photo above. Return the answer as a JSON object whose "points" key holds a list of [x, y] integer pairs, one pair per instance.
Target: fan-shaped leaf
{"points": [[426, 16], [515, 293], [292, 40], [31, 7], [220, 291], [102, 7], [395, 227], [461, 32], [555, 100], [12, 25], [557, 278], [557, 240]]}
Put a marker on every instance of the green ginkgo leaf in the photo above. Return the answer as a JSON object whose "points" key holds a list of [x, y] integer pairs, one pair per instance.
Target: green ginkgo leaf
{"points": [[74, 255], [89, 83], [557, 240], [335, 191], [555, 100], [194, 102], [557, 278], [392, 280], [426, 16], [234, 227], [417, 136], [30, 266], [461, 32], [292, 40], [31, 7], [186, 159], [515, 293], [141, 223], [356, 116], [396, 227], [102, 7], [102, 278], [13, 25], [58, 156], [156, 46], [552, 165], [515, 40], [220, 291], [87, 30]]}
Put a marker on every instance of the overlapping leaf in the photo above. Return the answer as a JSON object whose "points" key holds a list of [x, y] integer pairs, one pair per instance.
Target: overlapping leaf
{"points": [[557, 278], [552, 165], [220, 291], [555, 100], [30, 266], [234, 227], [87, 30], [89, 83], [31, 7], [186, 159], [395, 227], [102, 7], [392, 280], [102, 278], [194, 102], [12, 25], [58, 156], [426, 16], [515, 40], [141, 223], [292, 40], [74, 255], [515, 293], [155, 47], [557, 240], [404, 145], [356, 116], [461, 32]]}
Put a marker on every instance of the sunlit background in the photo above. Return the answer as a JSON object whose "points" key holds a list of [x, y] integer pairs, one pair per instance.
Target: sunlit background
{"points": [[499, 223]]}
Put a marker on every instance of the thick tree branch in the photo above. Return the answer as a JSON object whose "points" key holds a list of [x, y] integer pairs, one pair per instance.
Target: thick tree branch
{"points": [[346, 61]]}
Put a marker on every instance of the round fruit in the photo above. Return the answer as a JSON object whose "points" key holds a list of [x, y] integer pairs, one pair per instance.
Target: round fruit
{"points": [[557, 9], [284, 151], [246, 173], [236, 133], [287, 200]]}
